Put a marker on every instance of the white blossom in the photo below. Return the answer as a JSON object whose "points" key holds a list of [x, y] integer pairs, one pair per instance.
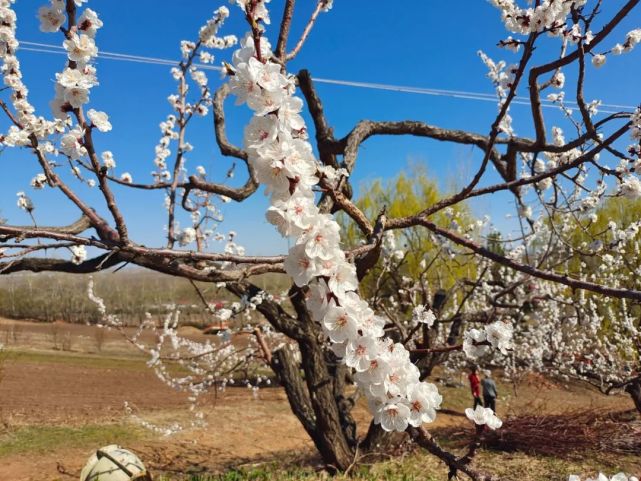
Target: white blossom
{"points": [[71, 144], [483, 416], [80, 48], [126, 177], [79, 254], [39, 181], [100, 120], [630, 187], [24, 202], [598, 60], [89, 22], [422, 315], [499, 334], [108, 159], [187, 236], [51, 18]]}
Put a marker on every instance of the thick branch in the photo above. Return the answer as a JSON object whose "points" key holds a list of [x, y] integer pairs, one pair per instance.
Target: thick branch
{"points": [[365, 262], [76, 228], [289, 375], [225, 146], [285, 25], [324, 135], [34, 264]]}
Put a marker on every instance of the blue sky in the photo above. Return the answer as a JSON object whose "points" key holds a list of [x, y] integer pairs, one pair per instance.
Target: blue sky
{"points": [[419, 43]]}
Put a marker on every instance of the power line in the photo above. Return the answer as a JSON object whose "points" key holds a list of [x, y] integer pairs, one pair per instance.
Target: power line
{"points": [[48, 48], [459, 94]]}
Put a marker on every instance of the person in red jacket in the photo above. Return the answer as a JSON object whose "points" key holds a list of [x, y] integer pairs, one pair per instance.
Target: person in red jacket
{"points": [[475, 385]]}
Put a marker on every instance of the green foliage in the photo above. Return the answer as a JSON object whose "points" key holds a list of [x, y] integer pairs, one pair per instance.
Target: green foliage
{"points": [[407, 194], [495, 244], [77, 359]]}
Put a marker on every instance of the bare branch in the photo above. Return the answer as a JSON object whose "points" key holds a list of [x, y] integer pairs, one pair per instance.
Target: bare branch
{"points": [[226, 147], [541, 274], [76, 228], [285, 25], [307, 30], [35, 264]]}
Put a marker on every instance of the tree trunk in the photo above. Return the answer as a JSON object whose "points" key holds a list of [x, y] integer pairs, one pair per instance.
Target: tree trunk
{"points": [[344, 403], [634, 390], [317, 400], [324, 415], [329, 438], [289, 375], [380, 441]]}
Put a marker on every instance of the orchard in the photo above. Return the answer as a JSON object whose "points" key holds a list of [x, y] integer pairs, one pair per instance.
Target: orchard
{"points": [[381, 291]]}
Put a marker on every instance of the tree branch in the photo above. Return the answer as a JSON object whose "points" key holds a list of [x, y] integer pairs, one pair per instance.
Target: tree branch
{"points": [[550, 276]]}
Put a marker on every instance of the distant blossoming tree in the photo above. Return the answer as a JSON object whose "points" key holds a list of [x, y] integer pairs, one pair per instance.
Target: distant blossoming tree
{"points": [[326, 327]]}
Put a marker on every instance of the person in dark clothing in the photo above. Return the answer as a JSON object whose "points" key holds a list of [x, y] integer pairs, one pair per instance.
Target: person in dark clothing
{"points": [[475, 386], [489, 390]]}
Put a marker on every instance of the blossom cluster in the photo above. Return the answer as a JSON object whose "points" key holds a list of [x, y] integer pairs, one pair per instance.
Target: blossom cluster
{"points": [[548, 15], [501, 75], [420, 314], [72, 88], [207, 34], [477, 342], [79, 254], [76, 80], [483, 416], [503, 78], [26, 123], [276, 142], [168, 133], [186, 106], [631, 40]]}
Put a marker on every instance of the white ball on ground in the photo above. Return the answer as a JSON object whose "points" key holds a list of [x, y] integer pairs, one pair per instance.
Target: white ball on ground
{"points": [[113, 463]]}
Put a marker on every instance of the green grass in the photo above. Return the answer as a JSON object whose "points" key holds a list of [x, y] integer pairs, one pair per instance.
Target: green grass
{"points": [[83, 360], [418, 466], [40, 439], [379, 472], [98, 361], [423, 467]]}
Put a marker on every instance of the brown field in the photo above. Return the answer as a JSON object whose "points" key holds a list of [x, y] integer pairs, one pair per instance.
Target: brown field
{"points": [[57, 405]]}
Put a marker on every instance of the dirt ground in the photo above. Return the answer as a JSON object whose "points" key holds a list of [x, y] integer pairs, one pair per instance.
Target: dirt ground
{"points": [[76, 338], [42, 387]]}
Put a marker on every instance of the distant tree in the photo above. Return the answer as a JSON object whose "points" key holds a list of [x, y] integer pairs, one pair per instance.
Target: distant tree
{"points": [[495, 243]]}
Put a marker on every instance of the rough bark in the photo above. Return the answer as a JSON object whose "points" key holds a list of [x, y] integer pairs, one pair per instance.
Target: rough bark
{"points": [[330, 440], [285, 366], [344, 403]]}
